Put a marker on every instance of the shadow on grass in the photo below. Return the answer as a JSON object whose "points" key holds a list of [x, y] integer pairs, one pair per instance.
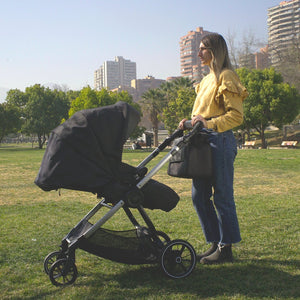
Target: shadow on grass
{"points": [[258, 279]]}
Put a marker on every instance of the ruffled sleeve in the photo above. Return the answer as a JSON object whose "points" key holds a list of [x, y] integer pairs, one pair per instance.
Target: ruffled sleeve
{"points": [[230, 82], [197, 88], [230, 95]]}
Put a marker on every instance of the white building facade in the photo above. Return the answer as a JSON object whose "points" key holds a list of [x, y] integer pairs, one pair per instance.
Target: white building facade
{"points": [[284, 28], [113, 74]]}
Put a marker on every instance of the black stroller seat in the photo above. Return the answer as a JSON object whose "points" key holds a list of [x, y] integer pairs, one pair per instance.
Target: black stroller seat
{"points": [[85, 153]]}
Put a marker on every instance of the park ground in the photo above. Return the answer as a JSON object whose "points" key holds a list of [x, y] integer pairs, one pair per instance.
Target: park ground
{"points": [[267, 261]]}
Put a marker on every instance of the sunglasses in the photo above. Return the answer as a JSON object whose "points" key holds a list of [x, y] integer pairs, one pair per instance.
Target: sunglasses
{"points": [[204, 48]]}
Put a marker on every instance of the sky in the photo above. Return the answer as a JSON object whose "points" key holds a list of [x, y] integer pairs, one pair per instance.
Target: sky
{"points": [[62, 42]]}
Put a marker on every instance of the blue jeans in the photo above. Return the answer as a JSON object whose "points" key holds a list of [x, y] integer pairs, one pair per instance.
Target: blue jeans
{"points": [[218, 218]]}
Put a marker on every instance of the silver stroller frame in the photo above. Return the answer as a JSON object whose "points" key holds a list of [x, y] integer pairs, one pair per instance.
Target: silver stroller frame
{"points": [[177, 258]]}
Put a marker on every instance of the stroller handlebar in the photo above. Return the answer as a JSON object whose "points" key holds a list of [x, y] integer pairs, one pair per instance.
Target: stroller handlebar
{"points": [[197, 126], [195, 129], [188, 124], [167, 142], [179, 132]]}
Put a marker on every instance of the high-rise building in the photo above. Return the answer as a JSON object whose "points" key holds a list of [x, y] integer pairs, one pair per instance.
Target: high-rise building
{"points": [[139, 86], [137, 89], [143, 85], [113, 74], [262, 58], [257, 60], [190, 63], [284, 28]]}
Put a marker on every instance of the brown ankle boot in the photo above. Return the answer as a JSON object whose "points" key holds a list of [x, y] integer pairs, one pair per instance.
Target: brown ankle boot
{"points": [[212, 249], [221, 255]]}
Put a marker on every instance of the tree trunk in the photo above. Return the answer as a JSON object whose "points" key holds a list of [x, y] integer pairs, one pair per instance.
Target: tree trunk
{"points": [[284, 130], [263, 139], [41, 140], [246, 135]]}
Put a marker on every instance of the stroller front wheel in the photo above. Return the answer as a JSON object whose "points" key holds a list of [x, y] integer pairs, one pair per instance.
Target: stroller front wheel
{"points": [[52, 258], [178, 259], [63, 272]]}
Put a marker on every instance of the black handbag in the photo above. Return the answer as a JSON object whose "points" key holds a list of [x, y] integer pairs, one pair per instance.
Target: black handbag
{"points": [[193, 160]]}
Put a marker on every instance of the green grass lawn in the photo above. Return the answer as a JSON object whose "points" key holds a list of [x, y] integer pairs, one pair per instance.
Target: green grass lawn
{"points": [[267, 192]]}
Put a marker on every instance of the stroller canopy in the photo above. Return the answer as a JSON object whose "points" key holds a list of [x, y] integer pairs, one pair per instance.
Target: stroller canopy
{"points": [[85, 152]]}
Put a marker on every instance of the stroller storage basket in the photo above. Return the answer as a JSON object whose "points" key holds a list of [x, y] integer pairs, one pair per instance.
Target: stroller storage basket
{"points": [[130, 246]]}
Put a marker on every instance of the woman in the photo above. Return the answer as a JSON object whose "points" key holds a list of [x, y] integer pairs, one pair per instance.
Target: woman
{"points": [[218, 106]]}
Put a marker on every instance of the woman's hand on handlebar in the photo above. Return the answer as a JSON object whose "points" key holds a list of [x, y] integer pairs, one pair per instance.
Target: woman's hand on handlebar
{"points": [[192, 123], [197, 119], [181, 124]]}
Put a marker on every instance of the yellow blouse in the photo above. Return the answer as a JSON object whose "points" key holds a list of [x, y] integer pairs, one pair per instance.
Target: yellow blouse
{"points": [[220, 103]]}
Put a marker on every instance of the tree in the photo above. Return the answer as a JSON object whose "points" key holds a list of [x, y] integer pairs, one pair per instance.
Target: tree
{"points": [[289, 62], [90, 98], [270, 100], [10, 121], [180, 95], [243, 54], [153, 102], [233, 51], [126, 97], [44, 111], [16, 98], [182, 82], [72, 95], [179, 108]]}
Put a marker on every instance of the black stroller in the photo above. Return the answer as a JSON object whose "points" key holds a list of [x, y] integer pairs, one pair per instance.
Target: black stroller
{"points": [[85, 153]]}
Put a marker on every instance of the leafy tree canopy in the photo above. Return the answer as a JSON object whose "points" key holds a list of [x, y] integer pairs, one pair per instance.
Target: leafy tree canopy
{"points": [[270, 100], [90, 98], [10, 121], [179, 108], [153, 102], [17, 98], [180, 95], [44, 111]]}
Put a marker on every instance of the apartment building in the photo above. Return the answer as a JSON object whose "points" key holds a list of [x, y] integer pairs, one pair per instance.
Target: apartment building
{"points": [[143, 85], [262, 60], [283, 27], [139, 86], [190, 63], [137, 89], [113, 74], [257, 60]]}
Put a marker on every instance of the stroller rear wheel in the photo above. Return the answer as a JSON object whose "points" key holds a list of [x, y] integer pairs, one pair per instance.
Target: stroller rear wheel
{"points": [[178, 259], [52, 258], [63, 272]]}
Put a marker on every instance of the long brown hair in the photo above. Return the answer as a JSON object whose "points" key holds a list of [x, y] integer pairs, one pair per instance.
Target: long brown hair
{"points": [[219, 51]]}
